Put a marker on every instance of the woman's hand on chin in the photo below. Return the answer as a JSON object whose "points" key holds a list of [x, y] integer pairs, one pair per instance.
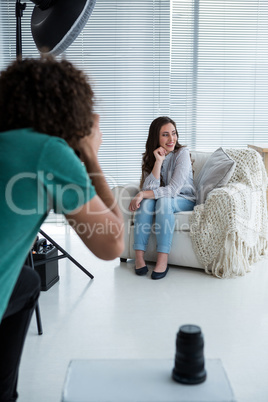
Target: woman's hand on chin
{"points": [[160, 154]]}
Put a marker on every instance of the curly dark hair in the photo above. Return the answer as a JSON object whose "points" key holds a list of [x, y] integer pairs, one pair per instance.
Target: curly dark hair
{"points": [[52, 97], [152, 143]]}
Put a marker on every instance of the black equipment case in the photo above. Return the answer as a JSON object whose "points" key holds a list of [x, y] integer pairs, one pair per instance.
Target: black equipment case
{"points": [[47, 270]]}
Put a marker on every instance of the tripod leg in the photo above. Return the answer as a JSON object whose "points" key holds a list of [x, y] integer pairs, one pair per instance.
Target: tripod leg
{"points": [[66, 254], [37, 310], [38, 319]]}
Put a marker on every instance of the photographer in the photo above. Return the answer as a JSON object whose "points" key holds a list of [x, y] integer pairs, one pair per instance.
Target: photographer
{"points": [[46, 120]]}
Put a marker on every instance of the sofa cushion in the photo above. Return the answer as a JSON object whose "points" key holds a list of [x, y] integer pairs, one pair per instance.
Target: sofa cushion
{"points": [[182, 221], [198, 159], [216, 172]]}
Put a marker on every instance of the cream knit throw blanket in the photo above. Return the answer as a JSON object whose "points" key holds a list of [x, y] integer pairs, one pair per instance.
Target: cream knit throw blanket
{"points": [[229, 231]]}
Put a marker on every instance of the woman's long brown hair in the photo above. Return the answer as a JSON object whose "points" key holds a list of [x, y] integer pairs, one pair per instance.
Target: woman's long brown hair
{"points": [[152, 143]]}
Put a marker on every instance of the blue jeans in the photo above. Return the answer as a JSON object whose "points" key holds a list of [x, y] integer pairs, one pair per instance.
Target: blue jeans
{"points": [[163, 209]]}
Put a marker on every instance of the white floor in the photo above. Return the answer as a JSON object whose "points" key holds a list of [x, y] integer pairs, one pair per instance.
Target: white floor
{"points": [[121, 315]]}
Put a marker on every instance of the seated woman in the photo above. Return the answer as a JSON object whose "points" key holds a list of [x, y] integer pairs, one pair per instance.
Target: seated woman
{"points": [[167, 187]]}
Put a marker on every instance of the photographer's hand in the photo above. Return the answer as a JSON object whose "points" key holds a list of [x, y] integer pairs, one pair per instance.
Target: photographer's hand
{"points": [[102, 210], [88, 146]]}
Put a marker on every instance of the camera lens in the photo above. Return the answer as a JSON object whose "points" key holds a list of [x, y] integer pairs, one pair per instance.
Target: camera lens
{"points": [[189, 360]]}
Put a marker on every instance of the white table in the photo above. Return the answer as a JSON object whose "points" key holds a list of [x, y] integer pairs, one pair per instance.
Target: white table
{"points": [[141, 381]]}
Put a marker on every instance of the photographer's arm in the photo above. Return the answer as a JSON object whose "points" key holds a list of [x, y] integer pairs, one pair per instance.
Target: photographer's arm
{"points": [[100, 228], [99, 222]]}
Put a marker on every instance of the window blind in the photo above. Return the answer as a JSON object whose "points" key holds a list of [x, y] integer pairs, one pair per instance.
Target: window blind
{"points": [[219, 73], [202, 62], [125, 50]]}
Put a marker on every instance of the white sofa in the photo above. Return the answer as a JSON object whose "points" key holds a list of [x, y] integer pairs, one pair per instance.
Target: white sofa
{"points": [[182, 253]]}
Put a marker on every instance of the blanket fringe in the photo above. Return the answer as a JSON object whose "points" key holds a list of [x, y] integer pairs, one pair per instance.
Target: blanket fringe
{"points": [[236, 258]]}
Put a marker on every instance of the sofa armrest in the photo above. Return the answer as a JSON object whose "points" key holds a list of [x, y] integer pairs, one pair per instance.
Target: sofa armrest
{"points": [[123, 196], [229, 231]]}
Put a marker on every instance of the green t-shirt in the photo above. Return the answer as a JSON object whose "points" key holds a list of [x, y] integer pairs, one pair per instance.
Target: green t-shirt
{"points": [[38, 172]]}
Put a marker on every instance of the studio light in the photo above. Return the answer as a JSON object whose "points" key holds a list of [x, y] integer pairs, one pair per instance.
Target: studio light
{"points": [[55, 24]]}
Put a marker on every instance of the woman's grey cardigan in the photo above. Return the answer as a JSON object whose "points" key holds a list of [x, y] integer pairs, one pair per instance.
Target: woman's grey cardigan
{"points": [[177, 177]]}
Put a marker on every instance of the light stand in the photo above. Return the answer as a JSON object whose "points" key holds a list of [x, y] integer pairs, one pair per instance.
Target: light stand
{"points": [[63, 255], [19, 13], [55, 24], [71, 20]]}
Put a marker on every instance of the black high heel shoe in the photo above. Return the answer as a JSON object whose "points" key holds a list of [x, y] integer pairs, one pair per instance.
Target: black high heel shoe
{"points": [[159, 275], [141, 271]]}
